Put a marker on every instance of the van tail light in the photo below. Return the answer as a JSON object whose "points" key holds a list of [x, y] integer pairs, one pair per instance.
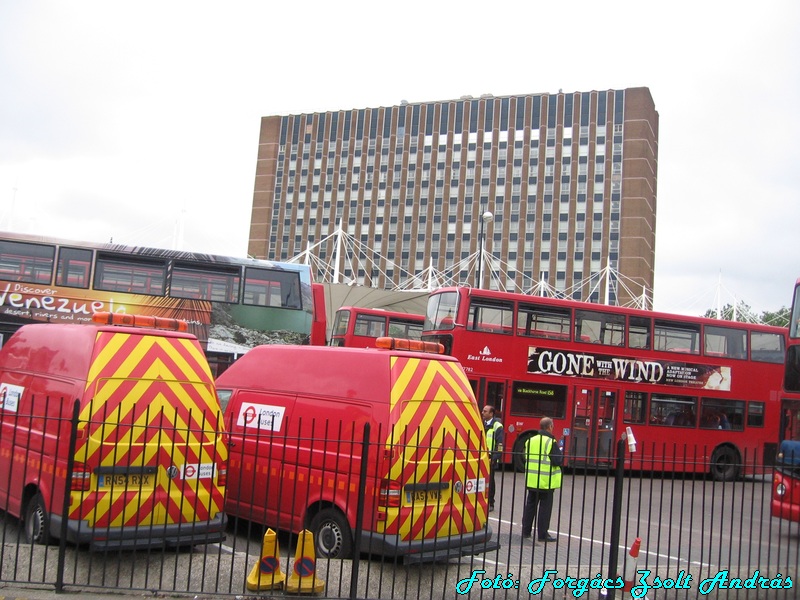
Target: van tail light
{"points": [[222, 475], [390, 494], [81, 478]]}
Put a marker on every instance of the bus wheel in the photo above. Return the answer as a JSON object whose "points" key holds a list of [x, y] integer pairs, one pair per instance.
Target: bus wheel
{"points": [[332, 534], [725, 464], [518, 459], [37, 524]]}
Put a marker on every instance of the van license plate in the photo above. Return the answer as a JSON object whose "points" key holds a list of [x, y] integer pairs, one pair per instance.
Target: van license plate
{"points": [[422, 496], [129, 481]]}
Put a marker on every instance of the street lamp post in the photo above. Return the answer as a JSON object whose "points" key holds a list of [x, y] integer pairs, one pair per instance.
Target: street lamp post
{"points": [[486, 217]]}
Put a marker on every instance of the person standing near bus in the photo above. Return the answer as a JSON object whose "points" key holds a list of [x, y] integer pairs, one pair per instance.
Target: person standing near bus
{"points": [[494, 445], [543, 461]]}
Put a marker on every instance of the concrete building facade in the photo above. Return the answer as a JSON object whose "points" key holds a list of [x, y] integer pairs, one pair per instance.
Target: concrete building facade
{"points": [[569, 180]]}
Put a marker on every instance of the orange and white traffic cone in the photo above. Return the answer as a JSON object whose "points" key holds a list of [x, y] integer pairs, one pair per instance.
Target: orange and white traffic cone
{"points": [[303, 579], [630, 566], [266, 573]]}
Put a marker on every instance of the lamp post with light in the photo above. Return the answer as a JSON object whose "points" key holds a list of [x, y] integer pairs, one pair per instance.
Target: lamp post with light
{"points": [[486, 217]]}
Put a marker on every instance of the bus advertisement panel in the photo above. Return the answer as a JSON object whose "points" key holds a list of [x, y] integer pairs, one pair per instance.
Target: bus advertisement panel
{"points": [[236, 302], [359, 327], [679, 382], [552, 361]]}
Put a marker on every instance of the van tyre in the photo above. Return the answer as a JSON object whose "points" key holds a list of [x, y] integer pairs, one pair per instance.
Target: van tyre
{"points": [[725, 464], [332, 535], [37, 523]]}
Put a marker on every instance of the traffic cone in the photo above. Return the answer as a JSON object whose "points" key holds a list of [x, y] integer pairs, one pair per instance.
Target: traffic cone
{"points": [[303, 579], [266, 573], [630, 566]]}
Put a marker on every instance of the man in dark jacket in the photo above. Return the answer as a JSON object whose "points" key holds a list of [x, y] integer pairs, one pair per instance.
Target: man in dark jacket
{"points": [[543, 461], [494, 445]]}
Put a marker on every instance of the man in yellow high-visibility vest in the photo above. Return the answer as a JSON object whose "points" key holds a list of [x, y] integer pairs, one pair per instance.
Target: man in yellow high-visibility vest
{"points": [[543, 461]]}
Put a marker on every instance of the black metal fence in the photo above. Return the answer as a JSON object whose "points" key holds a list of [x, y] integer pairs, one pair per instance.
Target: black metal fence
{"points": [[696, 537]]}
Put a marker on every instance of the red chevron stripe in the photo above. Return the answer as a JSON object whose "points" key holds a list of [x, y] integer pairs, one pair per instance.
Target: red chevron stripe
{"points": [[155, 350], [131, 410], [436, 413], [437, 380], [434, 446], [186, 399], [415, 521], [176, 445], [121, 455], [159, 352], [190, 500], [447, 518], [118, 505], [127, 344], [416, 388], [84, 509], [190, 364], [432, 450]]}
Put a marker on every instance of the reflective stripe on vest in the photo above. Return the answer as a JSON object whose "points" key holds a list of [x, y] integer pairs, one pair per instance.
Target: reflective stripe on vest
{"points": [[541, 474], [490, 435]]}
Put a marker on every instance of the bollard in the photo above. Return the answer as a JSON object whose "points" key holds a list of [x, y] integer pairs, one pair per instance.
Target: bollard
{"points": [[266, 573], [630, 566], [303, 579]]}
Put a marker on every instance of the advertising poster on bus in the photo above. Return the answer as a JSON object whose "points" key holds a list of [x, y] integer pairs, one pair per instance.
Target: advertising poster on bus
{"points": [[547, 361], [53, 304]]}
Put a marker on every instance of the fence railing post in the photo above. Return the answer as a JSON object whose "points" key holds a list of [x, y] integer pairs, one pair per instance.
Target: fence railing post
{"points": [[626, 439], [616, 513], [359, 513], [62, 542]]}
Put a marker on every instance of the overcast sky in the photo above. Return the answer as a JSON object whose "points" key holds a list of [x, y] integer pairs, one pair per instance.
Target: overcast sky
{"points": [[122, 119]]}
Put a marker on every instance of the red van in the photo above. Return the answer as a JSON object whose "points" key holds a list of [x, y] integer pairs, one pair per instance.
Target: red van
{"points": [[146, 463], [297, 417]]}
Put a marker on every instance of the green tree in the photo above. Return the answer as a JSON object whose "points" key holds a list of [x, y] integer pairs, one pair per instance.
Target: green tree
{"points": [[778, 318], [743, 313]]}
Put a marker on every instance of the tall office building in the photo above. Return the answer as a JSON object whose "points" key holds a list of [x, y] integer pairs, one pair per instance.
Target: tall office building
{"points": [[557, 188]]}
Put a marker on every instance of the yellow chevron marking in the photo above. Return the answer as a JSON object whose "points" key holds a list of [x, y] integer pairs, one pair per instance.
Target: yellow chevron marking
{"points": [[116, 342], [402, 380]]}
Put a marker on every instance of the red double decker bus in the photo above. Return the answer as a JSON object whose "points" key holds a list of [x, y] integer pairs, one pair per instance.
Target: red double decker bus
{"points": [[359, 327], [709, 386], [786, 484]]}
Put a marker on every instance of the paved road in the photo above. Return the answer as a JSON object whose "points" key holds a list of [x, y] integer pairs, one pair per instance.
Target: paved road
{"points": [[691, 525], [686, 521]]}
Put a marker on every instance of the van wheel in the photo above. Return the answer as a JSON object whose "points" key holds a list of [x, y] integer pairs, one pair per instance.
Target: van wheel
{"points": [[725, 464], [332, 534], [37, 523]]}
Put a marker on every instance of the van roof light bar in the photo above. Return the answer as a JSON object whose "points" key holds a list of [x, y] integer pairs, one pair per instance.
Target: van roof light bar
{"points": [[108, 318], [390, 343]]}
